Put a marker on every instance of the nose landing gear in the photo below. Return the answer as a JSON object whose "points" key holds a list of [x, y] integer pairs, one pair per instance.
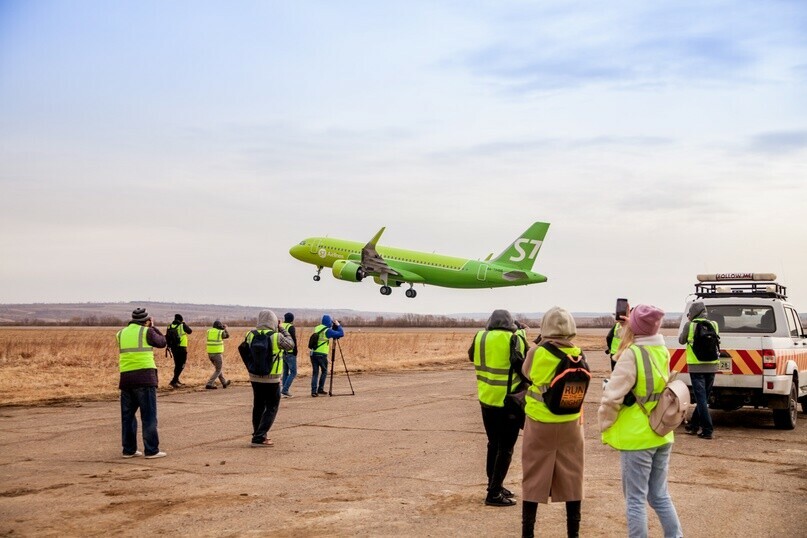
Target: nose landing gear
{"points": [[317, 277]]}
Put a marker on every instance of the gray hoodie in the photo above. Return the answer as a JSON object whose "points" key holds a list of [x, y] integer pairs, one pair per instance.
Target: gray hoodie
{"points": [[267, 320]]}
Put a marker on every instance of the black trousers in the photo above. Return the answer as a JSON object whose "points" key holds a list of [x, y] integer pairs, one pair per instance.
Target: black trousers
{"points": [[502, 430], [265, 403], [180, 358]]}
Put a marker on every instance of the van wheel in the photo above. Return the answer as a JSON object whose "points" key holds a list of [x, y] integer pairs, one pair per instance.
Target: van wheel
{"points": [[785, 419]]}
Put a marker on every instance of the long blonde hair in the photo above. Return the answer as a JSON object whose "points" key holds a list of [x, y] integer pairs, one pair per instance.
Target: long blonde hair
{"points": [[628, 338]]}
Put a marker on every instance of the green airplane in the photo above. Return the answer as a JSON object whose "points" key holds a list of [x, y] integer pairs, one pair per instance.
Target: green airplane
{"points": [[391, 267]]}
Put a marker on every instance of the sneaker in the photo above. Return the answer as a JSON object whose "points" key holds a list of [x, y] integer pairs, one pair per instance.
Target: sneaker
{"points": [[211, 387], [226, 384], [499, 500], [320, 391], [180, 383], [313, 394], [704, 435], [174, 384], [136, 454], [264, 443], [507, 493], [285, 394], [157, 455]]}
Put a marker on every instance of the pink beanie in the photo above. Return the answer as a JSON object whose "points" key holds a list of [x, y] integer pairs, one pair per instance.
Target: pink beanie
{"points": [[645, 320]]}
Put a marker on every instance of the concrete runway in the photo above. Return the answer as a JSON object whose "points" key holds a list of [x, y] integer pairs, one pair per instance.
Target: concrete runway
{"points": [[403, 457]]}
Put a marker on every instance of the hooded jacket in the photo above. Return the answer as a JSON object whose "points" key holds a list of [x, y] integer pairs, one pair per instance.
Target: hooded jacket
{"points": [[339, 332], [696, 310], [267, 321]]}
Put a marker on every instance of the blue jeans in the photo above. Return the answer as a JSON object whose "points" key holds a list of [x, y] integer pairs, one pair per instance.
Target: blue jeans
{"points": [[145, 399], [289, 372], [644, 480], [702, 387], [319, 365]]}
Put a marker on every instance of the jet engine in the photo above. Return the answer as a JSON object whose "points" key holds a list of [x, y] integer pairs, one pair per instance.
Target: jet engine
{"points": [[348, 270]]}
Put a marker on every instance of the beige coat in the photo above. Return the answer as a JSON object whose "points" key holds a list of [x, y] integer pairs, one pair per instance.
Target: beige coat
{"points": [[552, 458]]}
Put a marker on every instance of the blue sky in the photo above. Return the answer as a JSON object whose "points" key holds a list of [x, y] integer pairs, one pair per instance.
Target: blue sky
{"points": [[174, 151]]}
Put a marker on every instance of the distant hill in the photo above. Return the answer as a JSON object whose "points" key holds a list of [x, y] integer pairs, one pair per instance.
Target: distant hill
{"points": [[163, 313]]}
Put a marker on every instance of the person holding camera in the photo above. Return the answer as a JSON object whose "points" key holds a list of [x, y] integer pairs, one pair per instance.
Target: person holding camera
{"points": [[138, 383], [215, 350], [177, 337], [325, 331]]}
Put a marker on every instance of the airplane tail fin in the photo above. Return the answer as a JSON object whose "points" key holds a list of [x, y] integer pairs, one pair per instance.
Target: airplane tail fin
{"points": [[522, 252]]}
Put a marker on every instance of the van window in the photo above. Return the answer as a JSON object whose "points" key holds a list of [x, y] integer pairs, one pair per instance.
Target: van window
{"points": [[743, 318]]}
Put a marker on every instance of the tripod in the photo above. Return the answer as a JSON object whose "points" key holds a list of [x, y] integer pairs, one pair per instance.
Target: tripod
{"points": [[344, 364]]}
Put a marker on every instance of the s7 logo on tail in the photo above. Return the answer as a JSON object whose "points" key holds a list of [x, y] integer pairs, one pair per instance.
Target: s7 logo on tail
{"points": [[522, 253]]}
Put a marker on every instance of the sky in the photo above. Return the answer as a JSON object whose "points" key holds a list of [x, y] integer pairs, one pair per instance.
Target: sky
{"points": [[175, 151]]}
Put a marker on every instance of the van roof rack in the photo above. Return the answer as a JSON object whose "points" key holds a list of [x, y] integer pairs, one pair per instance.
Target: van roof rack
{"points": [[740, 285]]}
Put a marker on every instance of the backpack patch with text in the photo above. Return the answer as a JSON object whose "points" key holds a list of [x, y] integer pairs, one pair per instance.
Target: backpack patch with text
{"points": [[172, 337], [705, 342], [258, 356], [313, 340], [569, 385]]}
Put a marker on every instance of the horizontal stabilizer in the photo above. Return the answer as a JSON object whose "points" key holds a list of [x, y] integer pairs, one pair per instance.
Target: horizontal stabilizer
{"points": [[512, 276]]}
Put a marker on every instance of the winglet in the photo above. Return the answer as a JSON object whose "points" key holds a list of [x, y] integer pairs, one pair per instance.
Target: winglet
{"points": [[376, 237]]}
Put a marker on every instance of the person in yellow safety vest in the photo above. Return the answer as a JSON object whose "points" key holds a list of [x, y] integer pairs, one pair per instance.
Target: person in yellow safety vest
{"points": [[701, 374], [138, 383], [289, 357], [642, 368], [521, 332], [552, 451], [215, 352], [266, 388], [614, 337], [497, 354], [325, 331], [180, 350]]}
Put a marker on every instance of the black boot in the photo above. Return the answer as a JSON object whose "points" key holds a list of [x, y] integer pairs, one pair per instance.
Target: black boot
{"points": [[528, 512], [573, 519]]}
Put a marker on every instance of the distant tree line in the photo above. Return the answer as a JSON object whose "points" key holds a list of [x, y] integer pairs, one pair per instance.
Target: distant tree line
{"points": [[402, 321]]}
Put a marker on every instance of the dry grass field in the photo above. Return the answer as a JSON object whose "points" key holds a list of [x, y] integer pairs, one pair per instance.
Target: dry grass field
{"points": [[41, 365]]}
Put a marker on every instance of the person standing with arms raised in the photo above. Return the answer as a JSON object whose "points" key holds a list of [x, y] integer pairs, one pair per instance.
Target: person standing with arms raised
{"points": [[328, 329], [215, 352], [641, 373], [138, 384]]}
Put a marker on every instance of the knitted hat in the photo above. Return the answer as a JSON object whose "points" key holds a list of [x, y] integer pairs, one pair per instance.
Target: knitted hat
{"points": [[178, 317], [140, 314], [288, 317], [558, 323], [645, 320]]}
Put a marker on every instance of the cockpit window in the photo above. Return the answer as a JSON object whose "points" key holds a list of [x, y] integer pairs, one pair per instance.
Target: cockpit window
{"points": [[302, 243]]}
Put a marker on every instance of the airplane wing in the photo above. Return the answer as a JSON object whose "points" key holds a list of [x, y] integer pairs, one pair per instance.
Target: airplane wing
{"points": [[371, 260]]}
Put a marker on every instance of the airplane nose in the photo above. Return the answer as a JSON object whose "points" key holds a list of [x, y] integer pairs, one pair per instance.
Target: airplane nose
{"points": [[297, 251]]}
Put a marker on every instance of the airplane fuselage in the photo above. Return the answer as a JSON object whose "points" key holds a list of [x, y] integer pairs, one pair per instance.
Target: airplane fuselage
{"points": [[415, 266]]}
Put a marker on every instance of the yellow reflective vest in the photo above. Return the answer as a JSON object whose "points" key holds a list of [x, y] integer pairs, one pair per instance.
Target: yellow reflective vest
{"points": [[691, 358], [616, 339], [542, 372], [631, 430], [286, 326], [215, 341], [135, 351], [277, 369], [183, 336], [323, 344], [492, 364]]}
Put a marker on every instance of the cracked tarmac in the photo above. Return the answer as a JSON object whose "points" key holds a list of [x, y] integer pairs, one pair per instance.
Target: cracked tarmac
{"points": [[403, 457]]}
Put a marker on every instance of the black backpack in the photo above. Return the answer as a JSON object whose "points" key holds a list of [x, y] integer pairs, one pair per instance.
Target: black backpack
{"points": [[569, 385], [172, 337], [257, 355], [705, 342], [313, 340]]}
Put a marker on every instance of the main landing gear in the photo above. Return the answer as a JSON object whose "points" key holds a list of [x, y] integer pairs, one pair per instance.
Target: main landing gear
{"points": [[411, 293], [386, 290], [319, 270]]}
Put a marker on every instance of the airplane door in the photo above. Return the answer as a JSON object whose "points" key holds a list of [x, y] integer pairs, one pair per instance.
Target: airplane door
{"points": [[482, 272], [312, 247]]}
